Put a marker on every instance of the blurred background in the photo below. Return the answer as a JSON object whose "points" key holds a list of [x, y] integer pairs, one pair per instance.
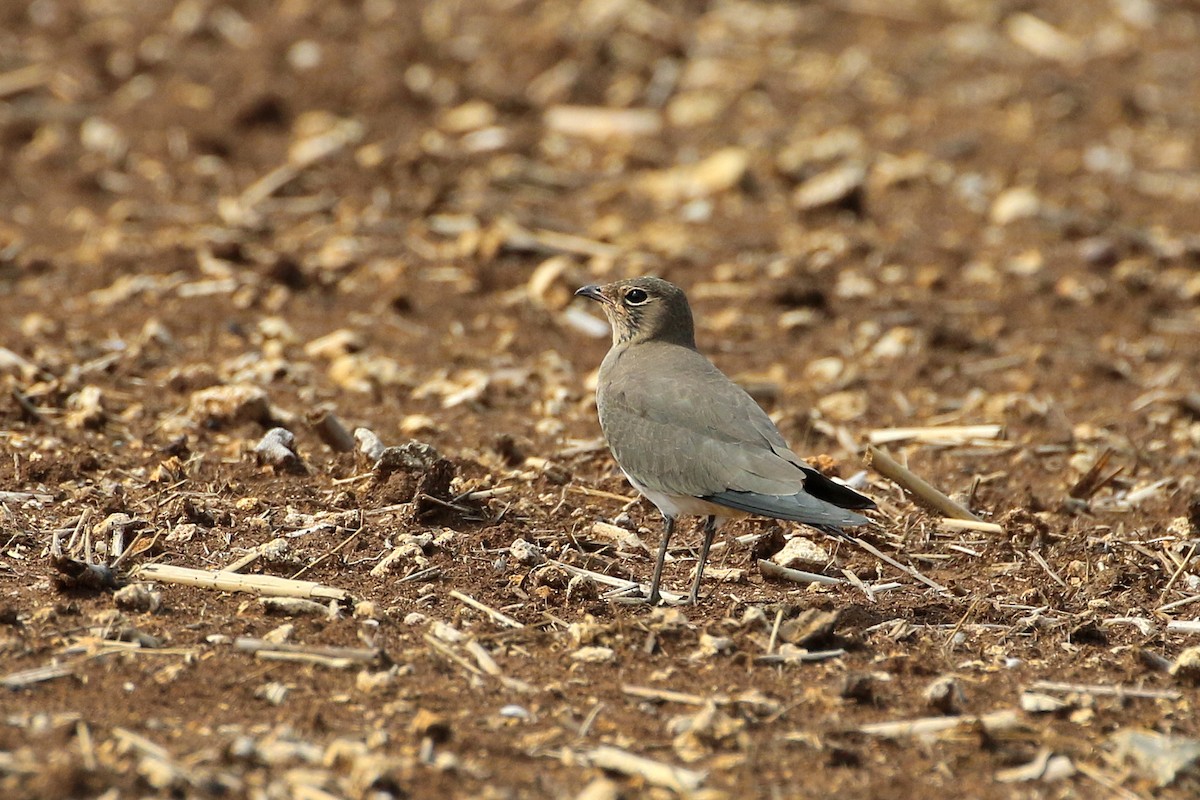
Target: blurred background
{"points": [[886, 212]]}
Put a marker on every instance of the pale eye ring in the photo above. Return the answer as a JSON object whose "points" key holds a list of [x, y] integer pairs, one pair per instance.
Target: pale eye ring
{"points": [[636, 297]]}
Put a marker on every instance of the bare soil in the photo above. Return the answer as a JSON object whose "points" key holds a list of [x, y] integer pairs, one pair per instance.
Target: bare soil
{"points": [[887, 215]]}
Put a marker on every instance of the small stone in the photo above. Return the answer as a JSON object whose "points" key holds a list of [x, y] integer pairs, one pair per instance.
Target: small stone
{"points": [[275, 448], [1038, 703], [304, 55], [1025, 264], [834, 145], [600, 789], [527, 553], [369, 444], [515, 712], [138, 597], [359, 372], [1157, 755], [1019, 202], [228, 405], [430, 725], [367, 681], [840, 186], [843, 406], [718, 173], [470, 116], [184, 532], [800, 552], [101, 136], [274, 693], [945, 695], [753, 616], [549, 285], [854, 285], [84, 408], [593, 655], [446, 632], [334, 344], [414, 424], [859, 687], [277, 550], [1043, 39], [1098, 251], [724, 574], [1187, 666], [823, 372], [809, 628], [626, 541], [553, 472], [412, 456], [710, 646], [279, 635]]}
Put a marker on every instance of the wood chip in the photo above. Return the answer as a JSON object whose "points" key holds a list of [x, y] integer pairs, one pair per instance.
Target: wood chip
{"points": [[995, 722], [653, 772], [499, 617], [593, 122]]}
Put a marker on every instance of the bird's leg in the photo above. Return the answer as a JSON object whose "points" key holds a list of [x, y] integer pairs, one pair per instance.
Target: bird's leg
{"points": [[668, 527], [710, 530]]}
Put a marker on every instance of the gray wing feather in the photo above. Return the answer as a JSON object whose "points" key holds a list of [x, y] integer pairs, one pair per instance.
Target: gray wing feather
{"points": [[799, 507], [676, 424]]}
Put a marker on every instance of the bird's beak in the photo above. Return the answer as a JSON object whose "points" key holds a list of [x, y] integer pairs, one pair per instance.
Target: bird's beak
{"points": [[592, 292]]}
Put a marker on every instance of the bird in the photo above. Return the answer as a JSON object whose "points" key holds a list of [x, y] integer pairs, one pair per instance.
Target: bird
{"points": [[688, 438]]}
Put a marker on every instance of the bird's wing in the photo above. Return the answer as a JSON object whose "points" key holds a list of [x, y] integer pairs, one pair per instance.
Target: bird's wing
{"points": [[677, 425], [798, 507]]}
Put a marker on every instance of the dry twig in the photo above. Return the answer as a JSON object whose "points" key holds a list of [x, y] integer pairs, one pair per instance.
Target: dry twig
{"points": [[498, 616], [1094, 480], [952, 524], [939, 434], [907, 570], [620, 584], [799, 656], [27, 677], [656, 773], [911, 482], [359, 655], [25, 497], [773, 570], [268, 585], [665, 695], [1105, 691], [23, 79], [994, 722]]}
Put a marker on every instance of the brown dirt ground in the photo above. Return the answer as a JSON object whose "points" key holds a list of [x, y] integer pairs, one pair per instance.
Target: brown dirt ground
{"points": [[1015, 242]]}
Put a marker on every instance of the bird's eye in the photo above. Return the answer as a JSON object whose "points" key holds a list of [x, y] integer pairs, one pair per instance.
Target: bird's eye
{"points": [[636, 297]]}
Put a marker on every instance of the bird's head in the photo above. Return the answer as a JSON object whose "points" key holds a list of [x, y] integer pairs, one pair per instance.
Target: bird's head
{"points": [[643, 310]]}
